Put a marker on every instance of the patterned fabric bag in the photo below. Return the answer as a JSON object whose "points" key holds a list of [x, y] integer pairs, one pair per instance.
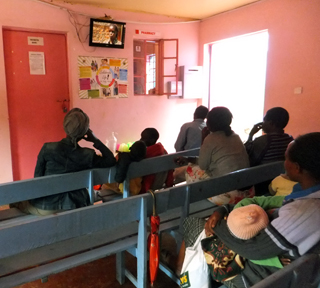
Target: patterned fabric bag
{"points": [[195, 174], [223, 263]]}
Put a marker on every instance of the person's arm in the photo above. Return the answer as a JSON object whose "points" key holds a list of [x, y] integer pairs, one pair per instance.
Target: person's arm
{"points": [[107, 159], [181, 140], [218, 214], [41, 164], [257, 148], [182, 161], [255, 129], [206, 150], [122, 166]]}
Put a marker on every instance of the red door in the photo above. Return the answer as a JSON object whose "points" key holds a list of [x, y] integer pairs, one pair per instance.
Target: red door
{"points": [[35, 102]]}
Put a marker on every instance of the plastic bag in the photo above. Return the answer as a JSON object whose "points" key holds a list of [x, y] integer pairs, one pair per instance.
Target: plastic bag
{"points": [[195, 272]]}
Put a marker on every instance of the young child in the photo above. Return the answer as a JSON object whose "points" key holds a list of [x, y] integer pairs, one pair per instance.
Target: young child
{"points": [[281, 185], [136, 153], [139, 185], [150, 137], [271, 146]]}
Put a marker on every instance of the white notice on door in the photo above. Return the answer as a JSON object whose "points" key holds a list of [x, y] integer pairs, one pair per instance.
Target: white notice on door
{"points": [[36, 63], [35, 41]]}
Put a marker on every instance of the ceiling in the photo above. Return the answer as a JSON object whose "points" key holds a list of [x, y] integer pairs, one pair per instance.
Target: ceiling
{"points": [[186, 9]]}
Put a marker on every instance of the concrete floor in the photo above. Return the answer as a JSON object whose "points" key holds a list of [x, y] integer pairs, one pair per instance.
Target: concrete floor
{"points": [[97, 274], [102, 273]]}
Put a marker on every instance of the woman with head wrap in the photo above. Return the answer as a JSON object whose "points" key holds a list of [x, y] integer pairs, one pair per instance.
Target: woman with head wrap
{"points": [[67, 156]]}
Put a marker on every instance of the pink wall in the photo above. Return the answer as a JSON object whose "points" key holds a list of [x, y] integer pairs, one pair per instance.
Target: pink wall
{"points": [[293, 56], [293, 60], [128, 117]]}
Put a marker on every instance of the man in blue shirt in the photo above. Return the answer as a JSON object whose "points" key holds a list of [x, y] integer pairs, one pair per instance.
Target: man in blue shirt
{"points": [[190, 137], [190, 133]]}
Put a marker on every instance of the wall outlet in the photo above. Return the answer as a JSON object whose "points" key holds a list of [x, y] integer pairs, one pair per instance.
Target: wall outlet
{"points": [[297, 90]]}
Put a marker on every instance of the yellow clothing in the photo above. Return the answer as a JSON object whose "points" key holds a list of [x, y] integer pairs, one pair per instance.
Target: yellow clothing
{"points": [[281, 186], [134, 186]]}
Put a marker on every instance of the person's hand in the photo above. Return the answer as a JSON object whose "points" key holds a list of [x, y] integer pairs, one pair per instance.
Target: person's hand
{"points": [[211, 223], [256, 128], [182, 161], [89, 136], [285, 261]]}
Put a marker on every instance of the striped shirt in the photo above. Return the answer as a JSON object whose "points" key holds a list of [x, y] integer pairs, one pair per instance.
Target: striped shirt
{"points": [[277, 147]]}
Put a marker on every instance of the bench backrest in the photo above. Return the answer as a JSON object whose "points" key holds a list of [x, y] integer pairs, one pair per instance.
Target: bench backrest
{"points": [[49, 185], [107, 217]]}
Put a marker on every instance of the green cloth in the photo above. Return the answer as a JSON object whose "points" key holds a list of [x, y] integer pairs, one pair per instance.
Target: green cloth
{"points": [[273, 262], [269, 202]]}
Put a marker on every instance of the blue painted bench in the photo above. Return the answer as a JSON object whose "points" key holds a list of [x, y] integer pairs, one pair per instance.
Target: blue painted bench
{"points": [[302, 273], [51, 244]]}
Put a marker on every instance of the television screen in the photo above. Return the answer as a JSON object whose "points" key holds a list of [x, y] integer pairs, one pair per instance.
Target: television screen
{"points": [[107, 33]]}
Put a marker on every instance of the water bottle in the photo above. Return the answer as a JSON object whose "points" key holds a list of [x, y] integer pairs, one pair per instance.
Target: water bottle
{"points": [[111, 143]]}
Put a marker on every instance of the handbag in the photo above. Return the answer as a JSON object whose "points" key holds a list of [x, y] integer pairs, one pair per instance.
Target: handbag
{"points": [[195, 272], [223, 263]]}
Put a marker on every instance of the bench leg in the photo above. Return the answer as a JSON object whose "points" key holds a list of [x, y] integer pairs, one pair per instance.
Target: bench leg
{"points": [[142, 247], [120, 267]]}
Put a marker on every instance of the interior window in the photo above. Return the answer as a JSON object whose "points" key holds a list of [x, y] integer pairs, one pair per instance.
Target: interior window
{"points": [[152, 70]]}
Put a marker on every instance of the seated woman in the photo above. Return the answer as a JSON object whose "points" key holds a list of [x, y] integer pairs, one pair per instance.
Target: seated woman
{"points": [[294, 231], [221, 152], [67, 156]]}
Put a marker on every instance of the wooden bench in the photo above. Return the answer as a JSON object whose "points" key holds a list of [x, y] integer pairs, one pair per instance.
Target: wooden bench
{"points": [[302, 273], [35, 247]]}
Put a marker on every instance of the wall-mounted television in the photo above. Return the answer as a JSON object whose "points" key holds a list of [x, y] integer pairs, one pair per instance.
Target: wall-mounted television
{"points": [[107, 33]]}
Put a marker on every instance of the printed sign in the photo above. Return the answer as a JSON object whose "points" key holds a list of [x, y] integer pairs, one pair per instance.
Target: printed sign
{"points": [[35, 41], [103, 77], [184, 280], [151, 34]]}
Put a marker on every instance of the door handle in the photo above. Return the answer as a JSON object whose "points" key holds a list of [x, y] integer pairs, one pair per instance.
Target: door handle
{"points": [[64, 105]]}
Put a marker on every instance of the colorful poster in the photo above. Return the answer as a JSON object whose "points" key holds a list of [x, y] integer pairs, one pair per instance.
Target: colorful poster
{"points": [[102, 77]]}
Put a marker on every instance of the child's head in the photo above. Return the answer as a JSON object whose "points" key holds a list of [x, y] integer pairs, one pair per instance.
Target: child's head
{"points": [[219, 119], [149, 136], [138, 150], [247, 221], [200, 112], [275, 119]]}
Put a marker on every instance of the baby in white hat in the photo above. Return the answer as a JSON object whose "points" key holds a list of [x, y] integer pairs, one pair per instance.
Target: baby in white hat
{"points": [[247, 221]]}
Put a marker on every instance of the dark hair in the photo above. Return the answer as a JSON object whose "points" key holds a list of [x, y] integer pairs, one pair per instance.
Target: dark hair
{"points": [[305, 150], [219, 119], [150, 136], [116, 30], [138, 150], [278, 116], [200, 112]]}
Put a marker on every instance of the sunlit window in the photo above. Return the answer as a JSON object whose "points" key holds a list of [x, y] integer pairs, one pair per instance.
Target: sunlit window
{"points": [[151, 72], [237, 78]]}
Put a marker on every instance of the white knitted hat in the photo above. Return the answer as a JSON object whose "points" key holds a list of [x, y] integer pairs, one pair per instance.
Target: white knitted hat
{"points": [[247, 221]]}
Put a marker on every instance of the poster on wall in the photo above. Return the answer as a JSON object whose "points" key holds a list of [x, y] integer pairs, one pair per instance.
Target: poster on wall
{"points": [[103, 77]]}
